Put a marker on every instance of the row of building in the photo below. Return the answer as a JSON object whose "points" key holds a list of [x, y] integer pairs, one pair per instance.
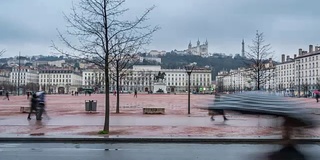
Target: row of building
{"points": [[141, 78], [298, 73]]}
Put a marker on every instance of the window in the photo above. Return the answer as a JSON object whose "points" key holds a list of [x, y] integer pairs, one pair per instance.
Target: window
{"points": [[312, 72]]}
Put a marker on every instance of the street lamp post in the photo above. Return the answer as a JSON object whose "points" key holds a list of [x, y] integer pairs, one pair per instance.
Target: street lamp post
{"points": [[189, 70], [298, 60]]}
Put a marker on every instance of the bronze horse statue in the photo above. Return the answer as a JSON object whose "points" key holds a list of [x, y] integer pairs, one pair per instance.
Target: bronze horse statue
{"points": [[159, 76]]}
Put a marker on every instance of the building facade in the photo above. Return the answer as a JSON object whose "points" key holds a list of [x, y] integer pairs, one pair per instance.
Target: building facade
{"points": [[177, 80], [299, 74], [59, 81], [307, 68], [93, 79], [243, 79], [142, 79], [235, 80], [23, 76]]}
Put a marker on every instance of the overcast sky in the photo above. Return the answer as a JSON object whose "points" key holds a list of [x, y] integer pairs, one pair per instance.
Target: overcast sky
{"points": [[29, 26]]}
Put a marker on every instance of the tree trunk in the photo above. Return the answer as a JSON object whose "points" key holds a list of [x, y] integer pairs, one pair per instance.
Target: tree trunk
{"points": [[106, 70], [118, 89], [107, 98]]}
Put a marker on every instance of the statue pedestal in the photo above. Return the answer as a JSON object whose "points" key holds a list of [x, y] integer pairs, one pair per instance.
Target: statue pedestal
{"points": [[159, 86]]}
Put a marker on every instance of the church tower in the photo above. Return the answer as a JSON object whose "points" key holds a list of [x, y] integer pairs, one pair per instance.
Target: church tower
{"points": [[242, 50], [190, 45]]}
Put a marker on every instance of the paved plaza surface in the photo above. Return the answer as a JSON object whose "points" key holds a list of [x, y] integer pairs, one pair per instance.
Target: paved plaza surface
{"points": [[68, 117]]}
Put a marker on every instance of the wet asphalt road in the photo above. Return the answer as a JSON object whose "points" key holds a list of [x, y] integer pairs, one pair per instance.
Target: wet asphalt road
{"points": [[58, 151]]}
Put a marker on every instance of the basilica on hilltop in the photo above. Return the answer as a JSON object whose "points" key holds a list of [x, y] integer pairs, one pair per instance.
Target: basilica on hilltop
{"points": [[199, 49]]}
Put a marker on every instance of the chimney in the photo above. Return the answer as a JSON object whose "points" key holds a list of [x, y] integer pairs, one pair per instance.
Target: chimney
{"points": [[300, 52], [283, 58], [304, 52], [310, 48], [295, 55], [316, 48], [288, 57]]}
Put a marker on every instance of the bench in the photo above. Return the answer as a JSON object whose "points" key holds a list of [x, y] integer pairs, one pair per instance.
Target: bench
{"points": [[24, 109], [153, 110]]}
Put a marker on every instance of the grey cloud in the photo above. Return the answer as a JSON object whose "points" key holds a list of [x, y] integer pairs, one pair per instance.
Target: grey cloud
{"points": [[287, 24]]}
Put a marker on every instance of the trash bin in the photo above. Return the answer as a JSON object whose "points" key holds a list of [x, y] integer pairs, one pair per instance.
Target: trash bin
{"points": [[91, 105]]}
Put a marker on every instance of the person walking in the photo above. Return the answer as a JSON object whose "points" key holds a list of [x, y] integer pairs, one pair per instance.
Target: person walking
{"points": [[317, 96], [33, 107], [7, 96], [135, 93], [28, 95], [42, 103], [217, 111]]}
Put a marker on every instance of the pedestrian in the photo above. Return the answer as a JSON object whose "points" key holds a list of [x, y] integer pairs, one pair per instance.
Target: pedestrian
{"points": [[7, 96], [42, 102], [217, 111], [72, 93], [28, 95], [114, 92], [33, 106], [135, 93], [317, 96]]}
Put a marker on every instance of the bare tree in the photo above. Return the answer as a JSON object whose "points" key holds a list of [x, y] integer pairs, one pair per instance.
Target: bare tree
{"points": [[257, 57], [99, 29], [305, 89], [122, 59]]}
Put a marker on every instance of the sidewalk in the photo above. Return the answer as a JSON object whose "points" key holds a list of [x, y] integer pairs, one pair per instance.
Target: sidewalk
{"points": [[237, 126]]}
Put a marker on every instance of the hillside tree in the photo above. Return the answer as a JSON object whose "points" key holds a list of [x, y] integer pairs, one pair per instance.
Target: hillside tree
{"points": [[1, 52]]}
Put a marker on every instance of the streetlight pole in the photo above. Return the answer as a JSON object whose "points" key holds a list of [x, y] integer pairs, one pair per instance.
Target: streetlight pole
{"points": [[298, 78], [19, 75], [189, 70], [189, 75]]}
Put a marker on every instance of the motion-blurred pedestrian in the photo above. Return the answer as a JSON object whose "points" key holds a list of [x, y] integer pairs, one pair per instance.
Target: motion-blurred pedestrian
{"points": [[317, 95], [33, 106], [218, 111]]}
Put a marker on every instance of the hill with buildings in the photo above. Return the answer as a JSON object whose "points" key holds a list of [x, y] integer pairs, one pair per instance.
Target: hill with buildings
{"points": [[217, 62]]}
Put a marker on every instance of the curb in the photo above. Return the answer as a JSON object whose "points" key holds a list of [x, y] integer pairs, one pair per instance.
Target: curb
{"points": [[153, 140]]}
